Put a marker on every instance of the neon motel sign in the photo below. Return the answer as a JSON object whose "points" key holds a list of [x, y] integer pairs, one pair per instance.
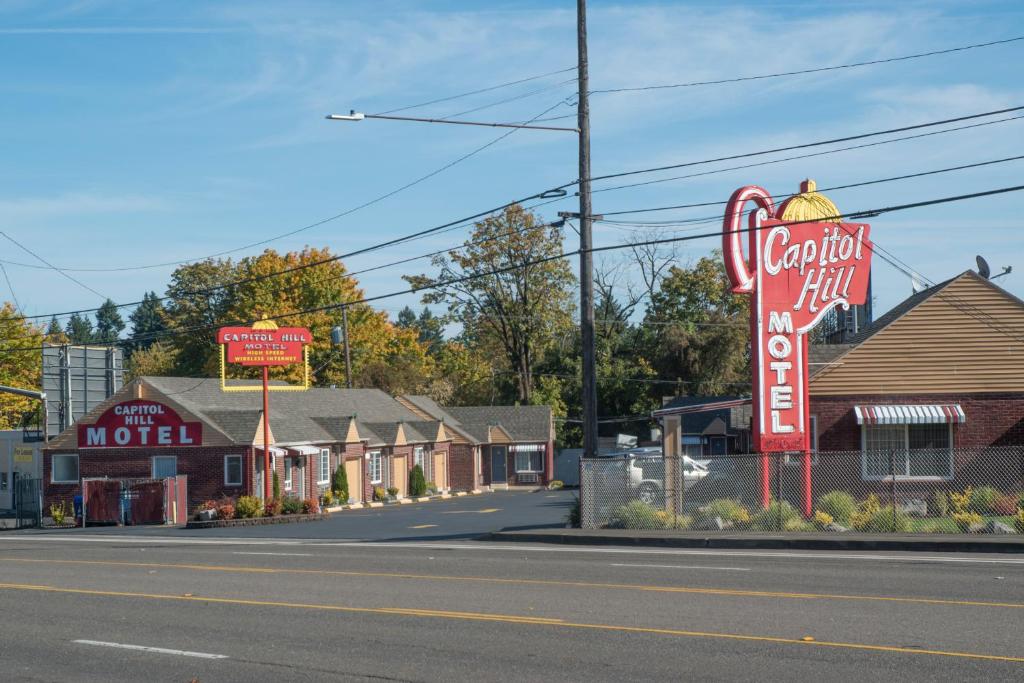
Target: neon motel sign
{"points": [[801, 263]]}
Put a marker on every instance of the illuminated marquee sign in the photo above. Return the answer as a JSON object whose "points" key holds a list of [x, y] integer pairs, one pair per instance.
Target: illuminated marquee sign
{"points": [[260, 346], [799, 267], [140, 423]]}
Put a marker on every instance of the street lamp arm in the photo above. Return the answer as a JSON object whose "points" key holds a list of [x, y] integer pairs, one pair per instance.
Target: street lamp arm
{"points": [[358, 116]]}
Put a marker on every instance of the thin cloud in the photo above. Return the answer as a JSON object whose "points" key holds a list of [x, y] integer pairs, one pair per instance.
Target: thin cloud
{"points": [[113, 30]]}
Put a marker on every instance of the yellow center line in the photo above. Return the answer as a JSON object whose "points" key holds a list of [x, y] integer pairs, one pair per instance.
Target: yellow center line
{"points": [[731, 592], [514, 619], [423, 526]]}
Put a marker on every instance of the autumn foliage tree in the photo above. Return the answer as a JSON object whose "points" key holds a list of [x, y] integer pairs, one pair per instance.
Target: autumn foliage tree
{"points": [[19, 364]]}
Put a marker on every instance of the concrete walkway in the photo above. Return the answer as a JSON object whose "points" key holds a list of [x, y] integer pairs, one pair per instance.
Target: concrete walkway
{"points": [[960, 543]]}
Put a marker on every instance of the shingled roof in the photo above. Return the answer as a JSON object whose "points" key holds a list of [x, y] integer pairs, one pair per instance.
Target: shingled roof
{"points": [[522, 423]]}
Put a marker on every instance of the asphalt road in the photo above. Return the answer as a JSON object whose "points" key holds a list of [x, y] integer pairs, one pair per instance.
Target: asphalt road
{"points": [[246, 609]]}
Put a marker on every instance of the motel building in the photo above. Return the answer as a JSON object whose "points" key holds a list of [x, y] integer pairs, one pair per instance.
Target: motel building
{"points": [[160, 427], [937, 382]]}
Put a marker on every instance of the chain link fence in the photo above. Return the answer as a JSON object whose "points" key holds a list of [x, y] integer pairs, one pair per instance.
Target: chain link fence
{"points": [[896, 491]]}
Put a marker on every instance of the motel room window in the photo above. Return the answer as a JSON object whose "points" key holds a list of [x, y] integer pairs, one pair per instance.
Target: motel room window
{"points": [[325, 466], [232, 470], [529, 458], [915, 450], [287, 474], [376, 469], [65, 469], [165, 466], [421, 457]]}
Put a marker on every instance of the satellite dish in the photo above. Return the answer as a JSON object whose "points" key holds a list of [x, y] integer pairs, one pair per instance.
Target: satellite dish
{"points": [[983, 269]]}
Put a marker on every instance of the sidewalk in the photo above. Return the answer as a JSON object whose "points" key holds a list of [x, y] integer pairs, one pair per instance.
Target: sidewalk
{"points": [[952, 543]]}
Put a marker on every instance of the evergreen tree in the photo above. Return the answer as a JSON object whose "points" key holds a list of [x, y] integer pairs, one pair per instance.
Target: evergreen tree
{"points": [[54, 333], [431, 329], [109, 323], [276, 487], [417, 483], [148, 322], [340, 484], [406, 318], [79, 329]]}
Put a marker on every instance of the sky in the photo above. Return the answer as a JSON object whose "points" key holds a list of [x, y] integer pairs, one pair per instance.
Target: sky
{"points": [[140, 132]]}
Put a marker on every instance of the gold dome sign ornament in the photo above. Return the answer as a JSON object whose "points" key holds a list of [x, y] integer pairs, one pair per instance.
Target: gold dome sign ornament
{"points": [[264, 345], [802, 262]]}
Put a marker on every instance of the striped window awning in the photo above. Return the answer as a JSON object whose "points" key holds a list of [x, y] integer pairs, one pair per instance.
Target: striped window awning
{"points": [[919, 414]]}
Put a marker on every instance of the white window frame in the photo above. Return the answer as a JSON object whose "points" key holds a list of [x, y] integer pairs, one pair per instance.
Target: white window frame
{"points": [[241, 470], [905, 476], [325, 466], [376, 466], [53, 468], [528, 451], [287, 474], [152, 465]]}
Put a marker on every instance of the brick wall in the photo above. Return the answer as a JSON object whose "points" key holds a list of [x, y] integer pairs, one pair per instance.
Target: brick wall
{"points": [[460, 468], [204, 467]]}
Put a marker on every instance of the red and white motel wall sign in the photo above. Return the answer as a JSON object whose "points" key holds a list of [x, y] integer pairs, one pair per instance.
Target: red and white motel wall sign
{"points": [[795, 272], [140, 423], [264, 345]]}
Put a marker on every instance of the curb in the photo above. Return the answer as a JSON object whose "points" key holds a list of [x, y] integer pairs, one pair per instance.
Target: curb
{"points": [[256, 521], [944, 545]]}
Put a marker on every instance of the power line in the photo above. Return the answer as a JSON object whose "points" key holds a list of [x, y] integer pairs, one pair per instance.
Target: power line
{"points": [[14, 297], [810, 71], [477, 92], [805, 145], [506, 100], [40, 258], [867, 213]]}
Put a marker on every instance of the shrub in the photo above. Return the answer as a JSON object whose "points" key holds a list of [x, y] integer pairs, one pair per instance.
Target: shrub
{"points": [[941, 503], [885, 520], [339, 486], [208, 505], [1006, 505], [865, 511], [290, 505], [636, 515], [573, 517], [983, 500], [276, 487], [226, 508], [431, 488], [839, 505], [777, 515], [59, 512], [555, 484], [1018, 521], [417, 482], [379, 493], [311, 506], [965, 520], [677, 522], [248, 506], [273, 508], [960, 502], [726, 509], [822, 519], [392, 491], [327, 498]]}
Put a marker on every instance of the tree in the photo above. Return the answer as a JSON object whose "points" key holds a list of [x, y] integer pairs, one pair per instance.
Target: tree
{"points": [[148, 322], [198, 305], [340, 484], [417, 483], [79, 329], [697, 329], [109, 323], [464, 376], [18, 367], [509, 298], [406, 318], [275, 486], [157, 360], [54, 332], [429, 327]]}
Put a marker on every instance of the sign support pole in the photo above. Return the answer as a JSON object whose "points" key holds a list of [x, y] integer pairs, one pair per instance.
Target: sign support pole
{"points": [[267, 474]]}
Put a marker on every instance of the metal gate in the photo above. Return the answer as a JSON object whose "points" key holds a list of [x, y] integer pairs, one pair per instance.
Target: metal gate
{"points": [[28, 503], [135, 501]]}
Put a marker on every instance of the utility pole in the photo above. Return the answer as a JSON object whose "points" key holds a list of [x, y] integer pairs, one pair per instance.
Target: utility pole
{"points": [[586, 256], [348, 359]]}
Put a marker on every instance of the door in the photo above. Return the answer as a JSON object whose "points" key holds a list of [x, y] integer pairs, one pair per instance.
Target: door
{"points": [[401, 475], [355, 480], [499, 464], [440, 471]]}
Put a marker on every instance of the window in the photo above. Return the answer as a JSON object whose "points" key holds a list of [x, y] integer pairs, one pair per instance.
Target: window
{"points": [[232, 470], [287, 474], [421, 457], [165, 466], [376, 467], [529, 458], [325, 466], [65, 469], [908, 450]]}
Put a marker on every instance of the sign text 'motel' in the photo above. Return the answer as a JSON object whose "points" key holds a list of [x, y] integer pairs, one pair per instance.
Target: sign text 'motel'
{"points": [[137, 423], [798, 270], [255, 346]]}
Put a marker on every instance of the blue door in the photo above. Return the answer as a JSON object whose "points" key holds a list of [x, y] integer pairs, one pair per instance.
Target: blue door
{"points": [[499, 467]]}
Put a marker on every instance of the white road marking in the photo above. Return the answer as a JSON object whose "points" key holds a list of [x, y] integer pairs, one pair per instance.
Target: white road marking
{"points": [[276, 554], [683, 566], [146, 648], [866, 556]]}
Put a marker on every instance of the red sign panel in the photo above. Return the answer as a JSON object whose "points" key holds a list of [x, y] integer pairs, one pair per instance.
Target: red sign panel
{"points": [[798, 271], [256, 346], [140, 423]]}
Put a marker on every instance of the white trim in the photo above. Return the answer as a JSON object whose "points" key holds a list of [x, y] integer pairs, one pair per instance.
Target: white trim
{"points": [[305, 449], [241, 471], [152, 464], [905, 451], [54, 469], [287, 483], [324, 466], [379, 457]]}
